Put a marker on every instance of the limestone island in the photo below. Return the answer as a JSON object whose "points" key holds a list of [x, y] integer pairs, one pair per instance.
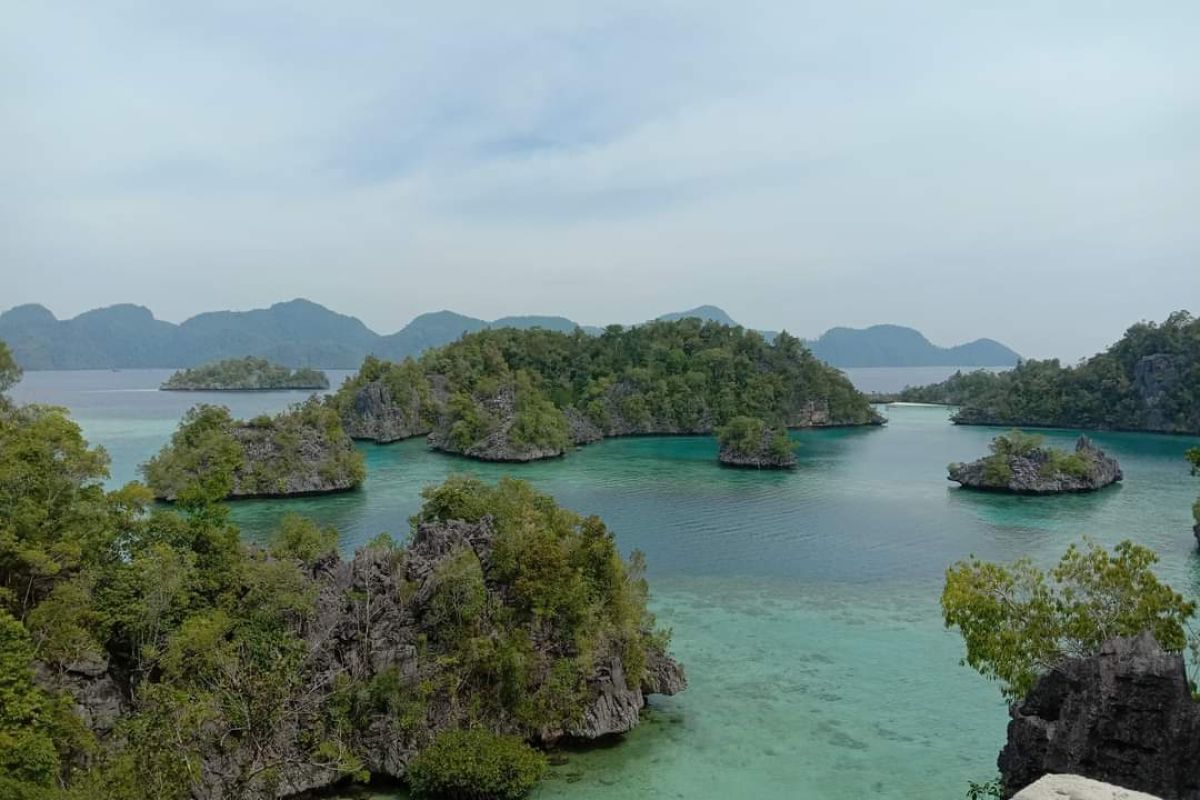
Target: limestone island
{"points": [[244, 375], [1020, 464], [301, 451], [524, 395], [503, 625], [749, 442]]}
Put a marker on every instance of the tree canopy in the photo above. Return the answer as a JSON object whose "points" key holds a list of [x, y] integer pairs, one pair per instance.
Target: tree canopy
{"points": [[1018, 620], [204, 638], [1148, 380]]}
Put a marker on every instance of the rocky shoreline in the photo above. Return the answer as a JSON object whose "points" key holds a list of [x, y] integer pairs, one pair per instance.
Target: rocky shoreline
{"points": [[371, 414]]}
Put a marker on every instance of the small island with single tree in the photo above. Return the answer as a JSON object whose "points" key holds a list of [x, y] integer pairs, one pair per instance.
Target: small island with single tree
{"points": [[247, 374], [750, 442], [301, 451], [1020, 464]]}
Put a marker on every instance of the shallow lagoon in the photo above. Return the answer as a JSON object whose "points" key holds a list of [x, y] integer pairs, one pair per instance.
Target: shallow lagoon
{"points": [[804, 604]]}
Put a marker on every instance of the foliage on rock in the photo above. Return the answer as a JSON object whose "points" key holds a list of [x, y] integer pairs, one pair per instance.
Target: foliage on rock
{"points": [[301, 450], [1018, 621]]}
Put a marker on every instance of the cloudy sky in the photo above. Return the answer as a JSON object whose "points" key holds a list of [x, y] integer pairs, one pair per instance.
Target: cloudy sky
{"points": [[1023, 170]]}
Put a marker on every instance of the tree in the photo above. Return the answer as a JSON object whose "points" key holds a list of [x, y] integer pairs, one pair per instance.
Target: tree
{"points": [[1019, 621], [10, 371]]}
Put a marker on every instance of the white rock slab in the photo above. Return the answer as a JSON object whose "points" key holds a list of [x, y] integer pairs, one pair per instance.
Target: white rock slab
{"points": [[1074, 787]]}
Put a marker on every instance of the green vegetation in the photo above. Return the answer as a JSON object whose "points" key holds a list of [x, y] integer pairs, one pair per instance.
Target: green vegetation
{"points": [[662, 377], [245, 374], [745, 435], [1019, 621], [265, 456], [10, 371], [1149, 380], [566, 583], [986, 790], [465, 765], [205, 638]]}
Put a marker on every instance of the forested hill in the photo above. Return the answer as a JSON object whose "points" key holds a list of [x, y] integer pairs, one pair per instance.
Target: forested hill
{"points": [[300, 333], [1147, 381]]}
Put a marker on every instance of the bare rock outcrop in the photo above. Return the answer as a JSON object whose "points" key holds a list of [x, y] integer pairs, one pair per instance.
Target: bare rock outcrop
{"points": [[374, 414], [1125, 716]]}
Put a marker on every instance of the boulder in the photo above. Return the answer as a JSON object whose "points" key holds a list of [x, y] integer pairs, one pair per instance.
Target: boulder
{"points": [[1074, 787], [1125, 716]]}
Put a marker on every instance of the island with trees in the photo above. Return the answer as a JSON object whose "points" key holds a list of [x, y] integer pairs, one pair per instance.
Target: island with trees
{"points": [[1147, 381], [300, 451], [244, 375], [749, 442], [1020, 463], [521, 395], [146, 653]]}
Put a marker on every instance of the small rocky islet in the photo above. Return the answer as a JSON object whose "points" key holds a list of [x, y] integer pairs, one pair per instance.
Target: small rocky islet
{"points": [[525, 395], [750, 443], [1021, 464], [301, 451], [244, 375]]}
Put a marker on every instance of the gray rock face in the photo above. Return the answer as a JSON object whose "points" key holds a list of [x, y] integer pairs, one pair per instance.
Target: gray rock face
{"points": [[374, 414], [1034, 473], [1125, 716], [499, 444], [582, 430], [1154, 377], [761, 457], [620, 411], [312, 469], [99, 700]]}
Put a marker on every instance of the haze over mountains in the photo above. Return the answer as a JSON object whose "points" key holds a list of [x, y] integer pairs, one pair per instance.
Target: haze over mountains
{"points": [[303, 333]]}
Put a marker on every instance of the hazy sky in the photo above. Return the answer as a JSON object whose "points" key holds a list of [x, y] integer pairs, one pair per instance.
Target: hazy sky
{"points": [[1023, 170]]}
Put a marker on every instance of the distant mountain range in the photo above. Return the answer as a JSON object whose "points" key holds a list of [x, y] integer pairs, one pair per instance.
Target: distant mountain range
{"points": [[301, 333]]}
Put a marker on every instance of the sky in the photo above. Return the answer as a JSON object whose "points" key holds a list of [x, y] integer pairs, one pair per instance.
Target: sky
{"points": [[1028, 171]]}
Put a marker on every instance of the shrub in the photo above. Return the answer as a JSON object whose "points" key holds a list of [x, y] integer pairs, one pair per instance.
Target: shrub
{"points": [[302, 539], [1018, 621], [476, 765]]}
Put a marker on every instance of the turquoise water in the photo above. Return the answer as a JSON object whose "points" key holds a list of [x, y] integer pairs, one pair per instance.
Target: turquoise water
{"points": [[803, 604]]}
